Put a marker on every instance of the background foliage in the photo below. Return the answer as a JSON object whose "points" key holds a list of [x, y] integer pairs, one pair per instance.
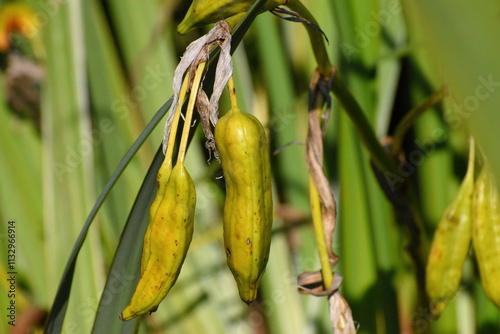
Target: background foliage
{"points": [[108, 67]]}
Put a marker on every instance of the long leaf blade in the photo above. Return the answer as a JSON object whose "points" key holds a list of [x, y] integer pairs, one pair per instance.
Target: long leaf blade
{"points": [[117, 291], [58, 310]]}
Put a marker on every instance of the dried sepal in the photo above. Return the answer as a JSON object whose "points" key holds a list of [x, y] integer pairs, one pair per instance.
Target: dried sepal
{"points": [[341, 315], [197, 52]]}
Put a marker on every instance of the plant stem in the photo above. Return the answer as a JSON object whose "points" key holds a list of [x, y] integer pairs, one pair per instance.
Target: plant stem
{"points": [[175, 121], [314, 152], [348, 102], [319, 232], [232, 93], [410, 118], [189, 112]]}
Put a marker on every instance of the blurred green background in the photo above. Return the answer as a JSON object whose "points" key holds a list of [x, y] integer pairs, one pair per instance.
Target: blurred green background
{"points": [[79, 86]]}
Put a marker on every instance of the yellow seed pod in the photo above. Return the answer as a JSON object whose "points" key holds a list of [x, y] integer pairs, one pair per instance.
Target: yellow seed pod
{"points": [[170, 237], [248, 213], [161, 186], [486, 233], [450, 246], [203, 12]]}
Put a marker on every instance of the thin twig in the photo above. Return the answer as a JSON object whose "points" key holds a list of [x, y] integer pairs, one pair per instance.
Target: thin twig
{"points": [[175, 121], [410, 118], [189, 112]]}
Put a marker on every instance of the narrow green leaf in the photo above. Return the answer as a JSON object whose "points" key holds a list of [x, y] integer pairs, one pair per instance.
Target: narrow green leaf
{"points": [[58, 310], [124, 271]]}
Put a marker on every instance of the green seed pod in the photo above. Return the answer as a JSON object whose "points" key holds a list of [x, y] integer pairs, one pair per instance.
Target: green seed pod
{"points": [[450, 246], [486, 233]]}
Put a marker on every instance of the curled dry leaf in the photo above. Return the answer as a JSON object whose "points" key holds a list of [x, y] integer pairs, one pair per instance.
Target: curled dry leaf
{"points": [[314, 151], [223, 72], [198, 51], [341, 315], [203, 107], [311, 283]]}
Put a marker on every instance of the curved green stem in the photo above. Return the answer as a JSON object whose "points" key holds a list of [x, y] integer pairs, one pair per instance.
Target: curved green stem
{"points": [[317, 42], [175, 121], [189, 112], [410, 118]]}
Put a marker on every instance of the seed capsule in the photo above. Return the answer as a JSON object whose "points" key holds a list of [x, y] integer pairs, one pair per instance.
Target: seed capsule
{"points": [[450, 246], [170, 236], [161, 186], [486, 233], [248, 215]]}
